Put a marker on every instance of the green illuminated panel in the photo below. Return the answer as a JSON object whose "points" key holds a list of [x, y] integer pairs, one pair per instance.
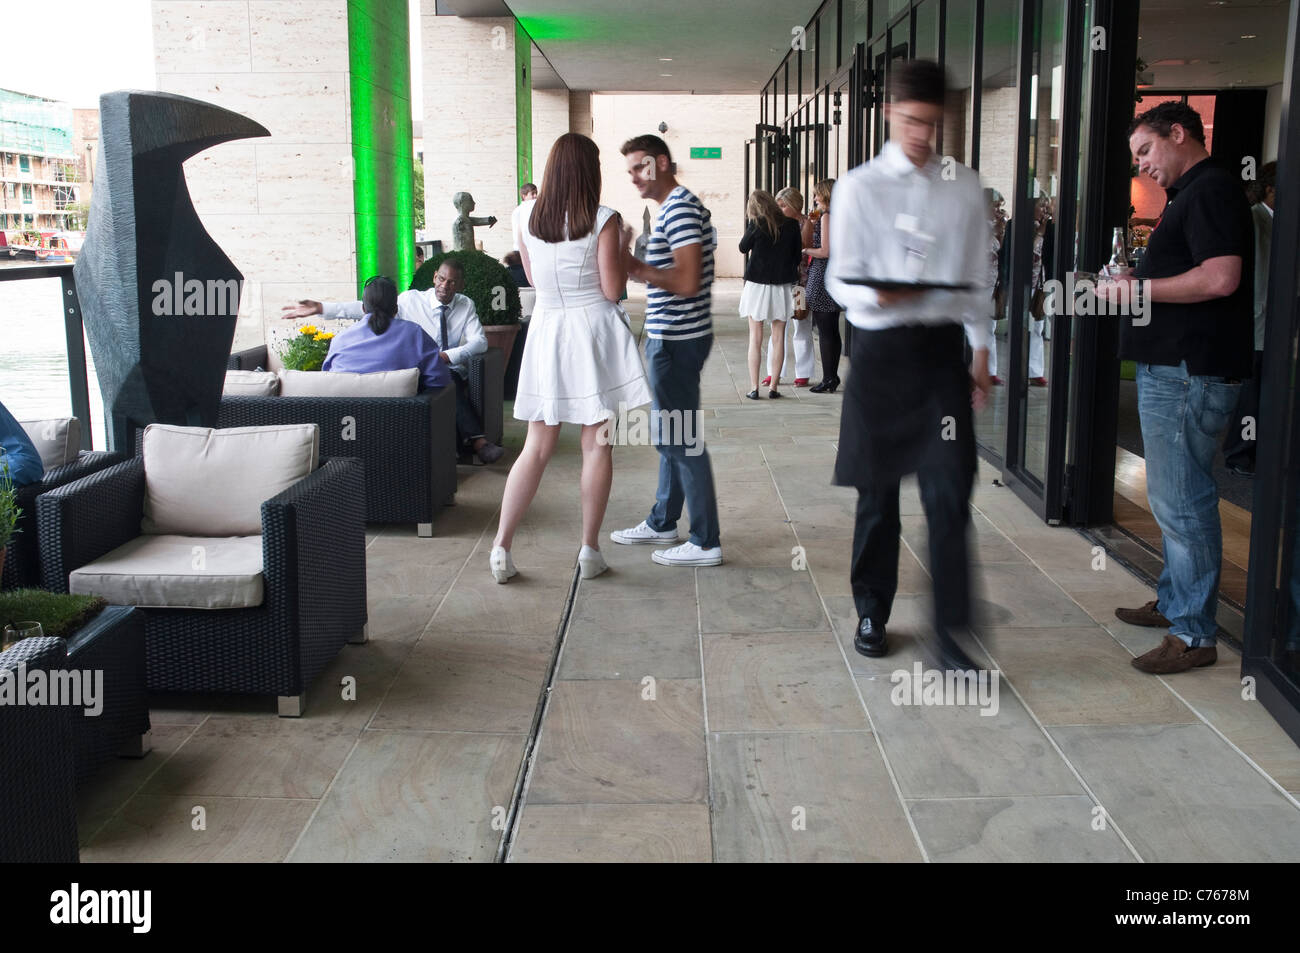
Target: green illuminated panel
{"points": [[379, 61], [523, 106]]}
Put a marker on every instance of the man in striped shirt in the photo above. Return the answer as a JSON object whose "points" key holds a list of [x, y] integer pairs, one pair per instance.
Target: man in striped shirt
{"points": [[678, 270]]}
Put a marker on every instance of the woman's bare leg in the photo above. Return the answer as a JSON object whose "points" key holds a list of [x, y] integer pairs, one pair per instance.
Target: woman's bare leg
{"points": [[597, 477], [755, 351], [778, 350], [525, 475]]}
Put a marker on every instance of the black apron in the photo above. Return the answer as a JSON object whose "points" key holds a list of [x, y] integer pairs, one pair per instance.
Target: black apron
{"points": [[907, 406]]}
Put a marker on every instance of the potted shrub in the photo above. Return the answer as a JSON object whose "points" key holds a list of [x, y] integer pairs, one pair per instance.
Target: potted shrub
{"points": [[9, 511], [306, 350], [489, 285]]}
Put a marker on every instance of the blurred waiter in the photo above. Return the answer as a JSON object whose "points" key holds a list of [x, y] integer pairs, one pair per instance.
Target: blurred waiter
{"points": [[908, 216]]}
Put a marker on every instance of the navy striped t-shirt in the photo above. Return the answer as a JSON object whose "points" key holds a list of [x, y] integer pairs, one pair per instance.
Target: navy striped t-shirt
{"points": [[682, 220]]}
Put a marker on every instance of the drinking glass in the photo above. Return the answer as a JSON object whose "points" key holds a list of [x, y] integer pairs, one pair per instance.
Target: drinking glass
{"points": [[17, 631]]}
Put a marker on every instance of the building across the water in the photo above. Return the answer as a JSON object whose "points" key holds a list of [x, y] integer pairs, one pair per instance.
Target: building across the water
{"points": [[39, 170]]}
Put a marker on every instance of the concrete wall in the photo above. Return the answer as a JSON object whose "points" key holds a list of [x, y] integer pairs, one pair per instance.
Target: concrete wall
{"points": [[469, 123], [725, 121], [282, 207], [550, 121]]}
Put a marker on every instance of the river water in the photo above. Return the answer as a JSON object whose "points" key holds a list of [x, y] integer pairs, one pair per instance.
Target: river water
{"points": [[33, 355]]}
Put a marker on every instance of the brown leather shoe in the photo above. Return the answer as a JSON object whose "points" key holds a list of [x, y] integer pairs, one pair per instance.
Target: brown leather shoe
{"points": [[1173, 655], [1147, 615]]}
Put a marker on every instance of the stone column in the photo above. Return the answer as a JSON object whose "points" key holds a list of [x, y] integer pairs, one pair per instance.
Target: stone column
{"points": [[281, 208], [550, 121]]}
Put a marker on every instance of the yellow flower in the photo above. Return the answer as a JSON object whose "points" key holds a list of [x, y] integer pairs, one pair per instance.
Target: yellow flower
{"points": [[327, 336], [308, 329], [322, 337]]}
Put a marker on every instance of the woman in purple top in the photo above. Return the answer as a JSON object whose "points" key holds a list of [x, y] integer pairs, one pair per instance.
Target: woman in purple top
{"points": [[382, 343]]}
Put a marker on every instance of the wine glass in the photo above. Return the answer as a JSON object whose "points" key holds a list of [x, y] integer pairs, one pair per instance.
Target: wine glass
{"points": [[17, 631]]}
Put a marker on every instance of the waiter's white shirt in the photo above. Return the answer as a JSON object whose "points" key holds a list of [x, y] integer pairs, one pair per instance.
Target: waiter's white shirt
{"points": [[872, 203], [519, 218], [463, 328]]}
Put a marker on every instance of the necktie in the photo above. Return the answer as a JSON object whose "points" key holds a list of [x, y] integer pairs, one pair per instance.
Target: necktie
{"points": [[442, 319]]}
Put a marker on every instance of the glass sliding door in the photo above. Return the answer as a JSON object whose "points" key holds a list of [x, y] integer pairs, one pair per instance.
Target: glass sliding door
{"points": [[993, 154]]}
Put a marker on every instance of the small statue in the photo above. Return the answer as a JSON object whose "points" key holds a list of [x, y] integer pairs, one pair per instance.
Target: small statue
{"points": [[643, 240], [462, 231]]}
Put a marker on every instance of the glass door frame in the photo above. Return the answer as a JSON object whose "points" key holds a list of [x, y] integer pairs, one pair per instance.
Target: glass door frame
{"points": [[1268, 577], [1045, 495]]}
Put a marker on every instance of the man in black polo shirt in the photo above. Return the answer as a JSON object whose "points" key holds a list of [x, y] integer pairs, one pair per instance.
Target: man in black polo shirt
{"points": [[1192, 339]]}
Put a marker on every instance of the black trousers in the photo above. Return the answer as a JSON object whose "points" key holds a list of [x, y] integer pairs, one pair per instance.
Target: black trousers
{"points": [[827, 324], [1237, 451], [469, 425], [945, 497]]}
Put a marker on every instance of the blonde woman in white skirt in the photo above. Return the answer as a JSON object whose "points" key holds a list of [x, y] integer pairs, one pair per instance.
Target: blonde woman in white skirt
{"points": [[580, 361], [773, 244]]}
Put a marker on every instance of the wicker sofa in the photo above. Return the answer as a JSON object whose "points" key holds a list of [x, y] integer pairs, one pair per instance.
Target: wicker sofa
{"points": [[406, 445], [58, 442], [487, 373], [266, 630]]}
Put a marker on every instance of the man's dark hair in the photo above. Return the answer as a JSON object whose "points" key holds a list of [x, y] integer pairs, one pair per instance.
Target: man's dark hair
{"points": [[918, 81], [528, 187], [1160, 120], [454, 264], [650, 145], [1267, 178]]}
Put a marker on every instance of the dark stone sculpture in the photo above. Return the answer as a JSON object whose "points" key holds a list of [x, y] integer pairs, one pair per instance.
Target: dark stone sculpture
{"points": [[158, 295]]}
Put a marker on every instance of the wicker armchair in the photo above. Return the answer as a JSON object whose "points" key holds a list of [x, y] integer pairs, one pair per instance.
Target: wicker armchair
{"points": [[487, 373], [313, 571], [22, 568], [38, 793]]}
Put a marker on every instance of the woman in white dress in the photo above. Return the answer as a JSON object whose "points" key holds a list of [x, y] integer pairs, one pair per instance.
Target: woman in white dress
{"points": [[581, 361]]}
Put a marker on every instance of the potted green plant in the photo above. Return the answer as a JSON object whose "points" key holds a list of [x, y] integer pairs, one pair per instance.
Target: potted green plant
{"points": [[306, 350], [489, 285], [9, 511]]}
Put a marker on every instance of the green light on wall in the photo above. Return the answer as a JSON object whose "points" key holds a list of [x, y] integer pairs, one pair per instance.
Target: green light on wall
{"points": [[558, 28], [379, 62]]}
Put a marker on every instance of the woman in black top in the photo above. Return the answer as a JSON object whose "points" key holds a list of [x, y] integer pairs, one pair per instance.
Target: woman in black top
{"points": [[773, 243]]}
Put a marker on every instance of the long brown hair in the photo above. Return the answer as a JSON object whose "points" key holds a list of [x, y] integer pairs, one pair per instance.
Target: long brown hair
{"points": [[570, 191], [823, 191], [762, 208]]}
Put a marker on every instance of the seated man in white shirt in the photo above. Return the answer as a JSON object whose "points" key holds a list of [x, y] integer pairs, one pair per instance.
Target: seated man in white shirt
{"points": [[447, 316]]}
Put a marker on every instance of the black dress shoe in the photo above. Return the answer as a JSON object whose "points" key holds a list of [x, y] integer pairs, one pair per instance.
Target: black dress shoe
{"points": [[827, 386], [774, 394], [753, 395], [951, 655], [870, 639]]}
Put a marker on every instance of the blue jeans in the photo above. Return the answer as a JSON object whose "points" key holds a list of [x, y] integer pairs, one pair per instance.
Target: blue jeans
{"points": [[1183, 418], [674, 372]]}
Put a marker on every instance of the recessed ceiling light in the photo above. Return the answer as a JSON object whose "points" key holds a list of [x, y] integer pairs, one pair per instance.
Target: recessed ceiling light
{"points": [[665, 59], [1248, 36], [665, 74]]}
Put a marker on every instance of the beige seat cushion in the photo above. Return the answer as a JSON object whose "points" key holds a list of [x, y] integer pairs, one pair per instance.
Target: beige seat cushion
{"points": [[403, 383], [251, 384], [205, 482], [57, 439], [177, 572]]}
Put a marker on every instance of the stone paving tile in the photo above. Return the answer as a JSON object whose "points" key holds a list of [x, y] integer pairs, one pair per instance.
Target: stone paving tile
{"points": [[613, 834], [1016, 829], [1194, 798], [803, 797]]}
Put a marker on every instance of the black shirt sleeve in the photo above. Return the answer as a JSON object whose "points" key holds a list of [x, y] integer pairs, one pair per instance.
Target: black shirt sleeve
{"points": [[747, 240], [1214, 226]]}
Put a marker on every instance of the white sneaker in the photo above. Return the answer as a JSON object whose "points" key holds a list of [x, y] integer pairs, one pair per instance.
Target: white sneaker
{"points": [[591, 563], [503, 567], [688, 554], [642, 533]]}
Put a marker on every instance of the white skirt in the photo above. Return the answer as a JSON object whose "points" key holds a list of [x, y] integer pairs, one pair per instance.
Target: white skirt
{"points": [[579, 365], [762, 302]]}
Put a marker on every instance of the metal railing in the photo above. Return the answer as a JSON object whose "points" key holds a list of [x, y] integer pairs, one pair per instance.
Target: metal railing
{"points": [[78, 376]]}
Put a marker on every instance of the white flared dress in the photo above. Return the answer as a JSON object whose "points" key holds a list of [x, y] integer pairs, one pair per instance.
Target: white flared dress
{"points": [[581, 361]]}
